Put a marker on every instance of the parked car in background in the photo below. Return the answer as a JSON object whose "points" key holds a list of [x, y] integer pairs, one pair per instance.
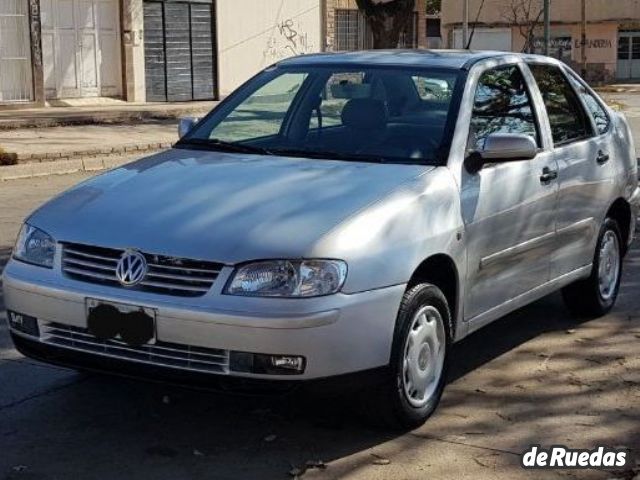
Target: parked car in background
{"points": [[337, 216]]}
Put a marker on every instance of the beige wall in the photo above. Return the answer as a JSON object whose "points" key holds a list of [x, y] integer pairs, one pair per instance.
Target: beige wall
{"points": [[253, 35], [561, 10], [133, 49], [604, 19]]}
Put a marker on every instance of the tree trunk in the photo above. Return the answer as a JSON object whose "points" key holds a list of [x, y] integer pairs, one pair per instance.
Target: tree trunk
{"points": [[387, 20]]}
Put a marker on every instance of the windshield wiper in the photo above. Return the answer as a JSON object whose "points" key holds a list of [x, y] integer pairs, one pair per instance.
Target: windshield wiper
{"points": [[350, 157], [218, 144]]}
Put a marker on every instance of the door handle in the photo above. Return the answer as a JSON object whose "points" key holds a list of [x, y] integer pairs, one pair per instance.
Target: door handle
{"points": [[602, 157], [548, 175]]}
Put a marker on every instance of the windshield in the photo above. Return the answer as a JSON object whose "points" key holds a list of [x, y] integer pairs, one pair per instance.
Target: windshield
{"points": [[390, 114]]}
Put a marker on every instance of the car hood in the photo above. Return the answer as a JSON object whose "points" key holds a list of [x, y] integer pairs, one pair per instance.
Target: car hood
{"points": [[223, 207]]}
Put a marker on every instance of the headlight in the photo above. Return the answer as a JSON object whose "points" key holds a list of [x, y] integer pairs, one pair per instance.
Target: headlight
{"points": [[34, 246], [288, 278]]}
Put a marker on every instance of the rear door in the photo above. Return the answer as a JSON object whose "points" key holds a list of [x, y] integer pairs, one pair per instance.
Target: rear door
{"points": [[508, 208], [582, 149]]}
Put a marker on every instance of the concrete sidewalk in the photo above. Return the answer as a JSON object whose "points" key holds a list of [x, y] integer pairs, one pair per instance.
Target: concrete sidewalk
{"points": [[55, 143], [632, 88], [87, 134], [33, 152]]}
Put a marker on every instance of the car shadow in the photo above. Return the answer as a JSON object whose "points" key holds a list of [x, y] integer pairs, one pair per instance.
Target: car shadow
{"points": [[79, 429]]}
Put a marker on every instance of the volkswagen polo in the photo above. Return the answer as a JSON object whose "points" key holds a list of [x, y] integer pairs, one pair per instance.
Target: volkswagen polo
{"points": [[338, 216]]}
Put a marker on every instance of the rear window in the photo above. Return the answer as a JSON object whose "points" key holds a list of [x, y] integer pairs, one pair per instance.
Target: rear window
{"points": [[597, 111]]}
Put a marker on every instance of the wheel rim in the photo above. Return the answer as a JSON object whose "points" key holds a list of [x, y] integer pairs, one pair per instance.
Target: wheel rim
{"points": [[424, 353], [609, 265]]}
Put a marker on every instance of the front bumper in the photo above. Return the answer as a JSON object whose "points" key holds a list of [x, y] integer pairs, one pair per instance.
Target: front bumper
{"points": [[337, 334]]}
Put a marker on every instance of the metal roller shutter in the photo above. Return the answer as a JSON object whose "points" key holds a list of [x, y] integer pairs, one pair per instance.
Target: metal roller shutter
{"points": [[179, 51], [154, 59]]}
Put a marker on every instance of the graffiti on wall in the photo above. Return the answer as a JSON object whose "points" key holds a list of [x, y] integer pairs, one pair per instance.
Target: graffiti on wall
{"points": [[288, 39], [595, 43]]}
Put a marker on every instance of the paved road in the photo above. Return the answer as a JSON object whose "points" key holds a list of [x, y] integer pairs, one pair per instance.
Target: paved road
{"points": [[536, 376]]}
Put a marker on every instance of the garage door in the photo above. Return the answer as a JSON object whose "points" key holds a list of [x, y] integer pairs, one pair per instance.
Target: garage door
{"points": [[81, 48], [179, 54], [486, 39]]}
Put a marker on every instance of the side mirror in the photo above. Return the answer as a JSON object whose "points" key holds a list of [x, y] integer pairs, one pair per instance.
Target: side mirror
{"points": [[185, 125], [502, 147]]}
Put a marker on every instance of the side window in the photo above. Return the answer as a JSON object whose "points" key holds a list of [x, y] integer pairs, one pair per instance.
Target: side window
{"points": [[594, 106], [501, 105], [569, 121]]}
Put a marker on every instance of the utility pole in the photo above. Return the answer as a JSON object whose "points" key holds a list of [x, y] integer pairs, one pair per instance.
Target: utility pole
{"points": [[583, 42], [465, 23], [547, 26]]}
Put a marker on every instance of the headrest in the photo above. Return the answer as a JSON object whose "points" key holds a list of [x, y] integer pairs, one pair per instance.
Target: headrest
{"points": [[364, 114]]}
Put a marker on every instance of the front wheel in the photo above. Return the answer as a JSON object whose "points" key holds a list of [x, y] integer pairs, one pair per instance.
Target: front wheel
{"points": [[412, 389], [596, 295]]}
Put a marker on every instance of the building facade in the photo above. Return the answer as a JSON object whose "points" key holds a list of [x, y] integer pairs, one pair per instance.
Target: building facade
{"points": [[146, 50], [168, 50], [612, 32]]}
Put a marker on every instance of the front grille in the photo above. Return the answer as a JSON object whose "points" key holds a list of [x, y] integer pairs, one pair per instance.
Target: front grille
{"points": [[186, 357], [168, 275]]}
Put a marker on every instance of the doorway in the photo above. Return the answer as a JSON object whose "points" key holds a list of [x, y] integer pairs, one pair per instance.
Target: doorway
{"points": [[81, 48]]}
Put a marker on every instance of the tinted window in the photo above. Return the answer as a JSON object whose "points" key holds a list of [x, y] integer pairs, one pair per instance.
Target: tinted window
{"points": [[501, 105], [594, 106], [568, 119]]}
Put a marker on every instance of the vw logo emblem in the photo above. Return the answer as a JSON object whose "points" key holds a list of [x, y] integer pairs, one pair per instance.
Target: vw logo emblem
{"points": [[131, 268]]}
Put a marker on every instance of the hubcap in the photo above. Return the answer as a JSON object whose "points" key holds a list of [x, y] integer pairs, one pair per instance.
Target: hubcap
{"points": [[424, 352], [609, 265]]}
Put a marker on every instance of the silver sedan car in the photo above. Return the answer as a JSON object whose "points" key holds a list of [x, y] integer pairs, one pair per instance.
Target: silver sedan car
{"points": [[340, 216]]}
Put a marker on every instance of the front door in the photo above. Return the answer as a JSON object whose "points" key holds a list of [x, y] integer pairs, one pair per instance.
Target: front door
{"points": [[81, 49], [508, 208]]}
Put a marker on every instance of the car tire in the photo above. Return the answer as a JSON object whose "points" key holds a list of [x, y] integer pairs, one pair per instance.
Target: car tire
{"points": [[595, 296], [420, 356]]}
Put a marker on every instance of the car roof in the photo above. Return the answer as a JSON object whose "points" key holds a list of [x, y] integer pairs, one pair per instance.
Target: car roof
{"points": [[433, 58]]}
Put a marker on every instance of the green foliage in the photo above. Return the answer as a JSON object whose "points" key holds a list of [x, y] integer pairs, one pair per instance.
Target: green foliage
{"points": [[434, 7]]}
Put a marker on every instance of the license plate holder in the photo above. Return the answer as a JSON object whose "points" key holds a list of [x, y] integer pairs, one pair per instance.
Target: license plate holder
{"points": [[131, 324]]}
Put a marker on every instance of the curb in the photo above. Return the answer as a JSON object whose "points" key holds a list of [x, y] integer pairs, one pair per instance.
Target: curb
{"points": [[630, 91], [60, 167], [45, 157], [48, 119]]}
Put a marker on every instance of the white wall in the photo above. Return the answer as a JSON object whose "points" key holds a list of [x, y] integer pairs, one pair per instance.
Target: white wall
{"points": [[485, 39], [255, 34]]}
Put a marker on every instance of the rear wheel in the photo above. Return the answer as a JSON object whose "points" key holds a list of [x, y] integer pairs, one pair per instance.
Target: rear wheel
{"points": [[413, 386], [596, 295]]}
